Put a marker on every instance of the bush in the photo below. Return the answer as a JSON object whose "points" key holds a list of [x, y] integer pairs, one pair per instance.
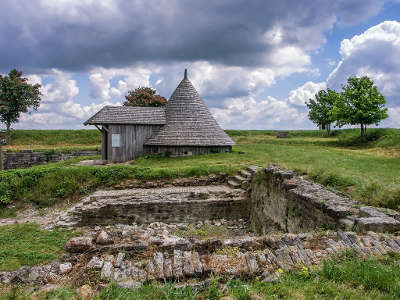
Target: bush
{"points": [[381, 137], [5, 194]]}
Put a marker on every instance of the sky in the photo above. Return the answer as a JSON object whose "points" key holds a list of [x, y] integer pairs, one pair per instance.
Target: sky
{"points": [[254, 63]]}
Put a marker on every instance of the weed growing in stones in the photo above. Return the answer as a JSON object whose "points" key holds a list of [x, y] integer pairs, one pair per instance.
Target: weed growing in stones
{"points": [[343, 277], [210, 231], [229, 251]]}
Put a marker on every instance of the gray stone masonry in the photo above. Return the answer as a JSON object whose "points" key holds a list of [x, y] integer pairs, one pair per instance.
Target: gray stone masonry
{"points": [[261, 256], [29, 158], [174, 204], [281, 200]]}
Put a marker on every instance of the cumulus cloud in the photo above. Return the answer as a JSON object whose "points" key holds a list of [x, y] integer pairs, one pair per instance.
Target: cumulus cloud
{"points": [[271, 113], [59, 107], [215, 82], [374, 53], [394, 114], [79, 35], [133, 77], [62, 88], [302, 94], [234, 50], [248, 113]]}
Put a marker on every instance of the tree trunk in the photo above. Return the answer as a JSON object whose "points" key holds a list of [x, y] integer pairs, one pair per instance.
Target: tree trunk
{"points": [[328, 129], [362, 137], [8, 131]]}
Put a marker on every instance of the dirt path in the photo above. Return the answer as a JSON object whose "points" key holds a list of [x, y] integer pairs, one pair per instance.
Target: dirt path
{"points": [[41, 216]]}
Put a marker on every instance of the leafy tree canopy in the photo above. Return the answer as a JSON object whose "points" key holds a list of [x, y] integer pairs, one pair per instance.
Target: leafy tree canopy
{"points": [[144, 96], [17, 96], [360, 103], [320, 108]]}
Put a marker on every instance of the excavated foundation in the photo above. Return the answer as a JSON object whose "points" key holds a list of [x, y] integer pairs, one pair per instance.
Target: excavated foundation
{"points": [[188, 233], [282, 200], [167, 204]]}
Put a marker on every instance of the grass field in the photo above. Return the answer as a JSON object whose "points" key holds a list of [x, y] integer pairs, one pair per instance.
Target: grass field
{"points": [[60, 140], [369, 173], [28, 245], [343, 277]]}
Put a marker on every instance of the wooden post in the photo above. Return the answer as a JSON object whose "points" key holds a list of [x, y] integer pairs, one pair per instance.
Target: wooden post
{"points": [[1, 158]]}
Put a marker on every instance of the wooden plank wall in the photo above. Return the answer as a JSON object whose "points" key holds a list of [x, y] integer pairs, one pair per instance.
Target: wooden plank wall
{"points": [[132, 139], [186, 150], [104, 144]]}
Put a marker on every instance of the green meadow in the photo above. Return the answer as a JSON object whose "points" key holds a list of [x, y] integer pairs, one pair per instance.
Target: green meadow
{"points": [[369, 173]]}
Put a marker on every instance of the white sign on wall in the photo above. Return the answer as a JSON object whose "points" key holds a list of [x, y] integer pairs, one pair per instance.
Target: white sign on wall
{"points": [[115, 140]]}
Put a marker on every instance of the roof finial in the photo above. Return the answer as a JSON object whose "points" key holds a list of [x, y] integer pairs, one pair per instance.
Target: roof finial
{"points": [[185, 75]]}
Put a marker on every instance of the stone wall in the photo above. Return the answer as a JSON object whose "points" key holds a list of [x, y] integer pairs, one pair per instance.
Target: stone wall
{"points": [[165, 257], [29, 158], [174, 204], [281, 200]]}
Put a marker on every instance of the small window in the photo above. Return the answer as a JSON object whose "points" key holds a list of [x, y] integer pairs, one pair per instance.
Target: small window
{"points": [[115, 140]]}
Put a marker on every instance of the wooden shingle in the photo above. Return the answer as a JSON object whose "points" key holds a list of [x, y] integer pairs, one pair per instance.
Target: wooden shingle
{"points": [[128, 115], [189, 122]]}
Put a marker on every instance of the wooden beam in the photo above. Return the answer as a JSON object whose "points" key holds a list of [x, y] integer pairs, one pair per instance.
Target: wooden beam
{"points": [[1, 158], [103, 128]]}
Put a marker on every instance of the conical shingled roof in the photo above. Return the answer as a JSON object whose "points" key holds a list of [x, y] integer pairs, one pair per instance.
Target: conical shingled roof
{"points": [[189, 122]]}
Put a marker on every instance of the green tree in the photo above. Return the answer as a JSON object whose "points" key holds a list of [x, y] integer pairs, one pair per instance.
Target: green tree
{"points": [[16, 96], [144, 96], [360, 103], [320, 108]]}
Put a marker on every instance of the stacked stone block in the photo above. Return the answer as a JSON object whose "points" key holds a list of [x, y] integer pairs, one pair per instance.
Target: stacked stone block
{"points": [[30, 158]]}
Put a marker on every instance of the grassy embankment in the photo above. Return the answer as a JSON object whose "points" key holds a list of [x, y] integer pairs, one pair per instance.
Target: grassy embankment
{"points": [[369, 173], [60, 140], [344, 277]]}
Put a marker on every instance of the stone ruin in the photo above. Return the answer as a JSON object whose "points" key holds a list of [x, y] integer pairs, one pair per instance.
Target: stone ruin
{"points": [[30, 158], [282, 200], [258, 223]]}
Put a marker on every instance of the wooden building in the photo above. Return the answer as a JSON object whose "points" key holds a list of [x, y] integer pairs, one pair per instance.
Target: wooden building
{"points": [[125, 129], [184, 127]]}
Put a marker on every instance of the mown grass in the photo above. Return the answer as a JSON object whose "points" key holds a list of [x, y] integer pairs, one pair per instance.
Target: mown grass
{"points": [[28, 245], [369, 173], [343, 277]]}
